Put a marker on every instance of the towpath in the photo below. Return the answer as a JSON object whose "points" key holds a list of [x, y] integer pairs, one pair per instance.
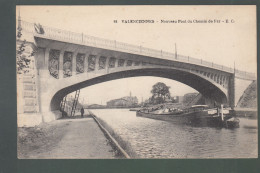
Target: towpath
{"points": [[78, 138]]}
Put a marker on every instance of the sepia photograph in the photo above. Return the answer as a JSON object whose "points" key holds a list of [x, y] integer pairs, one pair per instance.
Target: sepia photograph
{"points": [[136, 82]]}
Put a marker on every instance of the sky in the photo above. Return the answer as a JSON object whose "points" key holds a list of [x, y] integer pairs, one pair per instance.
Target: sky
{"points": [[222, 43]]}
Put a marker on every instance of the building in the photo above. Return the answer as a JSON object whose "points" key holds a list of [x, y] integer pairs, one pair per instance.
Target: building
{"points": [[128, 101]]}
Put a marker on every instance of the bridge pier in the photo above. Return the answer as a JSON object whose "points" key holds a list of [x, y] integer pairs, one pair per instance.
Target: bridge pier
{"points": [[236, 89]]}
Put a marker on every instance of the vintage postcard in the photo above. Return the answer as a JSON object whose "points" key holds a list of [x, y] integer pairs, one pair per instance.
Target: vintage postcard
{"points": [[109, 82]]}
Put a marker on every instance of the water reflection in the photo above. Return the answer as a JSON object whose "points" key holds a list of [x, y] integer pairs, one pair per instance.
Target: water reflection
{"points": [[162, 139]]}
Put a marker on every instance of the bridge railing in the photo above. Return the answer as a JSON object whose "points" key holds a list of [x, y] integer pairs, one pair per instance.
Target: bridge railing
{"points": [[80, 38], [183, 58], [126, 47], [244, 74], [206, 63], [150, 52], [228, 69], [194, 60]]}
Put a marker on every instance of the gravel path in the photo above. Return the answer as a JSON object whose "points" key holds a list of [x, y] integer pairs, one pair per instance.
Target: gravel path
{"points": [[73, 139]]}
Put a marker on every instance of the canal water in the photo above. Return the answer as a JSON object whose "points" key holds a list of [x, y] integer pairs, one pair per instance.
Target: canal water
{"points": [[151, 138]]}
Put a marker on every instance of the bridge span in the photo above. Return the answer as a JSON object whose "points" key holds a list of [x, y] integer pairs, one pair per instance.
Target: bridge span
{"points": [[65, 62]]}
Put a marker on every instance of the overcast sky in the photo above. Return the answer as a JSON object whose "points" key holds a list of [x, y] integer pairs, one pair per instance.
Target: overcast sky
{"points": [[222, 43]]}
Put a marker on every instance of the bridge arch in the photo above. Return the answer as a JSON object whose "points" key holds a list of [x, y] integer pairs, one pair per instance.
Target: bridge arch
{"points": [[208, 88]]}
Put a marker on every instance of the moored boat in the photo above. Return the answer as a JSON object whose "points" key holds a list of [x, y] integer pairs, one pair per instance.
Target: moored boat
{"points": [[232, 122], [197, 115], [229, 121], [184, 116]]}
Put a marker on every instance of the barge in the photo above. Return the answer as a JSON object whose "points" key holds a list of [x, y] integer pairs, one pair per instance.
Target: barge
{"points": [[198, 115]]}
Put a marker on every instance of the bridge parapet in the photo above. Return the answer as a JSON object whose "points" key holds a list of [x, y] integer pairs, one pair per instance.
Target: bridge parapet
{"points": [[244, 75], [82, 39]]}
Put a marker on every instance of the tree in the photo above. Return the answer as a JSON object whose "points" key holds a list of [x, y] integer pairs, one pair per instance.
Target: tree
{"points": [[160, 92], [22, 60]]}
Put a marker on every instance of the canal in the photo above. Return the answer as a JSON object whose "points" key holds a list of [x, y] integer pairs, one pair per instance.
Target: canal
{"points": [[150, 138]]}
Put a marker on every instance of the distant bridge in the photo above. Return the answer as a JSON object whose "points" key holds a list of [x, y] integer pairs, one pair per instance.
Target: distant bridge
{"points": [[65, 62]]}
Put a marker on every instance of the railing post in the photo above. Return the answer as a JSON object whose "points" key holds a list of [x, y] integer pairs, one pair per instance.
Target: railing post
{"points": [[212, 64], [82, 38], [161, 53], [115, 43], [140, 49], [188, 58]]}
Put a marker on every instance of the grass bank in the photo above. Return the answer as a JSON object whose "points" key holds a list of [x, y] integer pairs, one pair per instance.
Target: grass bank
{"points": [[34, 140]]}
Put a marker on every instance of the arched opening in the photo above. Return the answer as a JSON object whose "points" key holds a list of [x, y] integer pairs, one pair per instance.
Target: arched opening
{"points": [[202, 85]]}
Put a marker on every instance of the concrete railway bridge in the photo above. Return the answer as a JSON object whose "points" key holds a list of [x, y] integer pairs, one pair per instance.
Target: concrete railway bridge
{"points": [[65, 62]]}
